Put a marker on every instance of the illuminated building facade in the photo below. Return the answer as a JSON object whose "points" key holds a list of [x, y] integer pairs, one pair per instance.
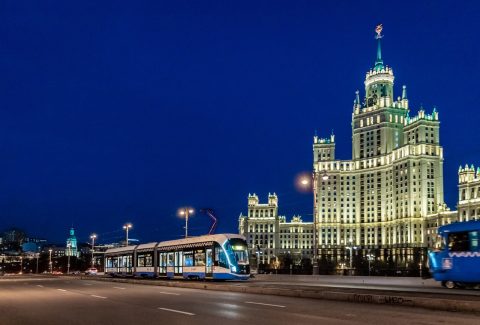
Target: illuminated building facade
{"points": [[270, 235], [378, 202], [71, 247], [468, 193]]}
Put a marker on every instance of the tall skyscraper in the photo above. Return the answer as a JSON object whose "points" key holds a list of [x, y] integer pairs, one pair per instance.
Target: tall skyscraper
{"points": [[377, 202]]}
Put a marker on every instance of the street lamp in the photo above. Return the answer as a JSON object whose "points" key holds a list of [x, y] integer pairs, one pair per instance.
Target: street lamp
{"points": [[126, 227], [92, 237], [69, 252], [50, 260], [370, 257], [305, 182], [351, 248], [186, 212], [37, 255]]}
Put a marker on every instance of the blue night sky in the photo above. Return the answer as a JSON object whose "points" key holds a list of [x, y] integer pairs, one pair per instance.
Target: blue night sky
{"points": [[114, 112]]}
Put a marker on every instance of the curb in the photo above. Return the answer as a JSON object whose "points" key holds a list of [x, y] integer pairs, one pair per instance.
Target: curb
{"points": [[365, 298]]}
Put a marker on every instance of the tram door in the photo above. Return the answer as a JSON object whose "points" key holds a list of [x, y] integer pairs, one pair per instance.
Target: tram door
{"points": [[170, 265], [209, 263]]}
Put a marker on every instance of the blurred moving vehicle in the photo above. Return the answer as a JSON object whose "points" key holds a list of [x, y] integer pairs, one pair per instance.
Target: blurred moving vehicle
{"points": [[91, 271], [456, 261]]}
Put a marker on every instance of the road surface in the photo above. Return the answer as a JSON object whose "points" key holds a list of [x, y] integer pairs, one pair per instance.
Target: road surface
{"points": [[63, 300]]}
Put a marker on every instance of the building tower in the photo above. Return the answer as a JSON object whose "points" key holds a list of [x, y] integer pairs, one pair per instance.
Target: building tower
{"points": [[377, 202], [72, 248]]}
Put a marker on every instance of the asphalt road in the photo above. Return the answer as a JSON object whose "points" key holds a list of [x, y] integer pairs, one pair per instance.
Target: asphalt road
{"points": [[43, 300]]}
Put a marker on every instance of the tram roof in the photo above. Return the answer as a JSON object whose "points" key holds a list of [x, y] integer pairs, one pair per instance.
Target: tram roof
{"points": [[199, 239], [121, 249], [184, 242], [460, 226]]}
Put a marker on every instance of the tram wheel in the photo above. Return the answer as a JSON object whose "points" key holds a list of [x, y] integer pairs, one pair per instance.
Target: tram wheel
{"points": [[449, 284]]}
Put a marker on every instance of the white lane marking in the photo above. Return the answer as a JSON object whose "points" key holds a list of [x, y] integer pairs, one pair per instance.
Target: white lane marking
{"points": [[39, 285], [177, 311], [101, 297], [62, 290], [261, 303], [119, 288], [169, 293]]}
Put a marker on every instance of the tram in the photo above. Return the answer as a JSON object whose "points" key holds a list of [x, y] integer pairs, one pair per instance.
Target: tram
{"points": [[215, 257], [456, 260]]}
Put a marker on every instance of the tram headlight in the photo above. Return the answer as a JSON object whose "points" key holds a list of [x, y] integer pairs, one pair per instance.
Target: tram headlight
{"points": [[234, 269]]}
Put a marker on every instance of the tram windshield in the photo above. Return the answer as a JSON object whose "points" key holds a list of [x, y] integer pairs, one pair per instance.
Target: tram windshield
{"points": [[240, 251], [439, 243]]}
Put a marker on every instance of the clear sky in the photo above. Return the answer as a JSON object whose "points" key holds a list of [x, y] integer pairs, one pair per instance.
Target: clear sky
{"points": [[114, 111]]}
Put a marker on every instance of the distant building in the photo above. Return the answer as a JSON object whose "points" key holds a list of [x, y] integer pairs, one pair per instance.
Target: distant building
{"points": [[71, 247], [468, 193], [270, 235]]}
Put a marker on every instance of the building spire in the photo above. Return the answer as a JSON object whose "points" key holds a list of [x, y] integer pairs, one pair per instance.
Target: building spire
{"points": [[404, 92], [379, 61]]}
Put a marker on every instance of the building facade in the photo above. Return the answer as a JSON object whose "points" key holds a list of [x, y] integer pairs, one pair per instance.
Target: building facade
{"points": [[468, 193], [269, 235], [378, 202]]}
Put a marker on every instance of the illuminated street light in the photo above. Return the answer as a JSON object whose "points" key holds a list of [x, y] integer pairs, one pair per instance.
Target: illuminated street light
{"points": [[69, 252], [351, 248], [306, 182], [50, 260], [37, 255], [186, 212], [370, 257], [126, 227], [93, 237]]}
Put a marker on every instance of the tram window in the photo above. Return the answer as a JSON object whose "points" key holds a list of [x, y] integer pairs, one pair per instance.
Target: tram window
{"points": [[141, 260], [188, 258], [474, 237], [110, 262], [162, 260], [200, 258], [220, 257], [458, 242], [170, 259], [148, 260]]}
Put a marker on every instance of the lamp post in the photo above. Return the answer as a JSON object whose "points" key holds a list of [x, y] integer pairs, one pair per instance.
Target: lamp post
{"points": [[92, 237], [69, 252], [37, 255], [305, 182], [50, 260], [186, 212], [21, 264], [370, 257], [126, 227], [351, 248]]}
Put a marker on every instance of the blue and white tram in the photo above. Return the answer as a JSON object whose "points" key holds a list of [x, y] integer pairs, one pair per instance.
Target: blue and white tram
{"points": [[456, 261], [216, 257]]}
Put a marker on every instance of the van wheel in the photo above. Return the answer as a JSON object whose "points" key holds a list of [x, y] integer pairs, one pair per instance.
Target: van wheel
{"points": [[449, 284]]}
